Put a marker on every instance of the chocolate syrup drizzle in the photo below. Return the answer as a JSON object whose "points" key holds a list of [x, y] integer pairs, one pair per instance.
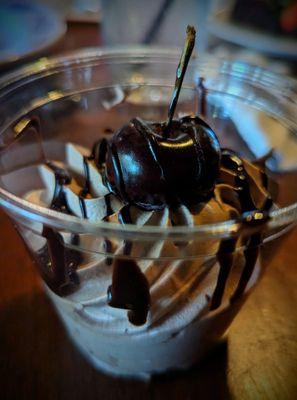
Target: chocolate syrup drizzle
{"points": [[120, 298], [62, 261], [86, 189], [225, 259], [250, 254], [98, 155], [130, 288], [227, 247], [62, 177], [225, 255]]}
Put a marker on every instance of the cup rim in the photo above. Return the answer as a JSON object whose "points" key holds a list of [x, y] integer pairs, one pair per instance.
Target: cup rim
{"points": [[22, 208]]}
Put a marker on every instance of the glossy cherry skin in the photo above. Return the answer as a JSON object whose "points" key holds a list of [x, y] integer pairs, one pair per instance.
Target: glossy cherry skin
{"points": [[151, 169]]}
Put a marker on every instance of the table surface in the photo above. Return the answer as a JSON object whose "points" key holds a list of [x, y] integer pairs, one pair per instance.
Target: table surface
{"points": [[258, 360]]}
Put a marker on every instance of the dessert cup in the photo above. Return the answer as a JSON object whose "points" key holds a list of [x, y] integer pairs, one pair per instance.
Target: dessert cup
{"points": [[61, 106]]}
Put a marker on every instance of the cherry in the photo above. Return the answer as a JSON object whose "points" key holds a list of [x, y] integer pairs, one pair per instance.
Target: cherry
{"points": [[150, 170], [153, 164]]}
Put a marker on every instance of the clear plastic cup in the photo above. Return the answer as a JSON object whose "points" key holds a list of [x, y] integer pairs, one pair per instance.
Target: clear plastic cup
{"points": [[80, 97]]}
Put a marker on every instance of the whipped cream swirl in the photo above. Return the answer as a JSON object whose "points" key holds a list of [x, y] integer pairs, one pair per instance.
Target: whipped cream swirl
{"points": [[153, 292]]}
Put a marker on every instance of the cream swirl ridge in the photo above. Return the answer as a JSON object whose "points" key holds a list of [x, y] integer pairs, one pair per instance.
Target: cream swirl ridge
{"points": [[168, 286]]}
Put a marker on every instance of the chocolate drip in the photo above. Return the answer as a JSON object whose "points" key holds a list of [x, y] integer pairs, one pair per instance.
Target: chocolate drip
{"points": [[130, 288], [62, 177], [109, 210], [72, 259], [58, 263], [231, 161], [86, 189], [202, 97], [225, 259], [107, 242], [82, 205], [251, 217], [98, 153], [250, 254], [125, 216], [63, 262], [55, 249]]}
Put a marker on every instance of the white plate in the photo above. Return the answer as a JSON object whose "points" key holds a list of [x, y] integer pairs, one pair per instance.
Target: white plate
{"points": [[26, 29], [223, 27]]}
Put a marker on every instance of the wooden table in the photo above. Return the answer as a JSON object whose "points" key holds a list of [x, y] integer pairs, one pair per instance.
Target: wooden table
{"points": [[37, 360]]}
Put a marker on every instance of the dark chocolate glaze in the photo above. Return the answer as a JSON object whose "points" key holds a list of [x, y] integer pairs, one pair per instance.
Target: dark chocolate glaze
{"points": [[62, 177], [141, 163], [125, 215], [55, 250], [109, 209], [82, 205], [86, 189], [63, 262], [73, 258], [58, 263], [225, 259], [129, 288], [98, 153], [250, 254], [250, 217], [232, 162]]}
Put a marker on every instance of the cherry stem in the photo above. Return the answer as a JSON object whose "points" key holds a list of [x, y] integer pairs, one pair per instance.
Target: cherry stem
{"points": [[180, 73]]}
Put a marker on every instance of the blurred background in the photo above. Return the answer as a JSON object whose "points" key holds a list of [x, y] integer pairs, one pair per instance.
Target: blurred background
{"points": [[262, 32]]}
